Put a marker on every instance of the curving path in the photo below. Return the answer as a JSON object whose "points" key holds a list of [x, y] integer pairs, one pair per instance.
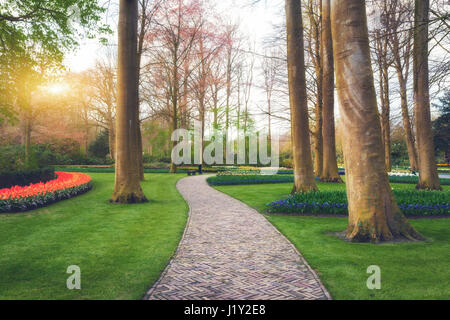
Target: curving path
{"points": [[230, 251]]}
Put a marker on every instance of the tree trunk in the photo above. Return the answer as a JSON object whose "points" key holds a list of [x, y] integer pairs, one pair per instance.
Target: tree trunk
{"points": [[174, 101], [318, 141], [301, 149], [330, 171], [86, 141], [112, 140], [412, 153], [373, 212], [385, 116], [428, 175], [228, 94], [318, 68], [127, 187], [140, 152], [140, 49], [27, 141]]}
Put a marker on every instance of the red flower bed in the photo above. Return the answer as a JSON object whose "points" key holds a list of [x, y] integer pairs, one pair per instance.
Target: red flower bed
{"points": [[66, 185]]}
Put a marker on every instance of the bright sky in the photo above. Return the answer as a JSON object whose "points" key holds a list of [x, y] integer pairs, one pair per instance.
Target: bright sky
{"points": [[255, 20]]}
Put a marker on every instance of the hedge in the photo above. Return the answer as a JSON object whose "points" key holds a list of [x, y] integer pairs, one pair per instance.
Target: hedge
{"points": [[280, 178], [25, 177]]}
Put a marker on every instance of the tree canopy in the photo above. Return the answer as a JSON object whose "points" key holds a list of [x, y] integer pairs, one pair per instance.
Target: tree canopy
{"points": [[441, 126], [36, 33]]}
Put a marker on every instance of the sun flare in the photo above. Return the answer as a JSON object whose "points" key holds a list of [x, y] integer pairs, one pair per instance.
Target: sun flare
{"points": [[56, 88]]}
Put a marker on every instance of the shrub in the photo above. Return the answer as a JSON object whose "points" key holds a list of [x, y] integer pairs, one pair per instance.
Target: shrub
{"points": [[99, 148], [25, 177], [248, 177], [12, 158]]}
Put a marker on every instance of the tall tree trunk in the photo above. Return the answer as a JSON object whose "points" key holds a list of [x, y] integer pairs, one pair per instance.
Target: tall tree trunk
{"points": [[140, 50], [301, 149], [140, 152], [317, 61], [381, 53], [174, 98], [318, 141], [112, 139], [373, 211], [228, 94], [412, 153], [385, 116], [428, 175], [127, 187], [86, 140], [330, 171], [27, 140]]}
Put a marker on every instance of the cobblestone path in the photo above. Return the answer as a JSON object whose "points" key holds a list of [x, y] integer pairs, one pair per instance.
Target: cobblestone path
{"points": [[230, 251]]}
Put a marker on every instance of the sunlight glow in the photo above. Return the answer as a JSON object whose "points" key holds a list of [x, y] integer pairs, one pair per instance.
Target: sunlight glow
{"points": [[56, 88]]}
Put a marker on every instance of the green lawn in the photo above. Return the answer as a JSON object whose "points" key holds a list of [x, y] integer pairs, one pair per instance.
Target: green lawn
{"points": [[408, 270], [121, 249]]}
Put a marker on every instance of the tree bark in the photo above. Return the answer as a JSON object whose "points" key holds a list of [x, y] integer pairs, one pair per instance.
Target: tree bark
{"points": [[127, 187], [409, 136], [140, 50], [428, 175], [373, 212], [27, 140], [303, 167], [112, 140], [318, 144], [330, 172], [317, 61], [174, 101], [385, 115]]}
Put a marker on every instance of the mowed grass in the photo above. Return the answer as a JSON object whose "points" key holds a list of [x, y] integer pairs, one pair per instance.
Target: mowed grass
{"points": [[120, 249], [408, 270]]}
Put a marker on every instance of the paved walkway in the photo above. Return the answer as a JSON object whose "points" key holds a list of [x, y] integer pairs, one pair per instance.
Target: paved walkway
{"points": [[230, 251]]}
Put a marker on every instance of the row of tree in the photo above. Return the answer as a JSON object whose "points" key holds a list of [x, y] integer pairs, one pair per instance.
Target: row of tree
{"points": [[373, 212]]}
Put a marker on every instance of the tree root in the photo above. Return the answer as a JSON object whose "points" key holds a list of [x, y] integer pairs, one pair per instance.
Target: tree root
{"points": [[128, 197]]}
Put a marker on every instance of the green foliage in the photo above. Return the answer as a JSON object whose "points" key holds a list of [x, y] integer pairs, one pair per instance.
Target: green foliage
{"points": [[99, 148], [441, 126], [11, 158], [158, 138], [22, 178], [111, 169], [54, 25], [56, 152], [282, 178], [34, 35]]}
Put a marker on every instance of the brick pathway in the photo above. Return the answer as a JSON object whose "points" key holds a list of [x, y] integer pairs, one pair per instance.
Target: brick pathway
{"points": [[230, 251]]}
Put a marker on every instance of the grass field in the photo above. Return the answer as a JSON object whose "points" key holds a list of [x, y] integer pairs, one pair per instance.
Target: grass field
{"points": [[408, 270], [121, 249]]}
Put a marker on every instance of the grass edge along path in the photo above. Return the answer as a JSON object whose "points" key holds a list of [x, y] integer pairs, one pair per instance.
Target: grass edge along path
{"points": [[120, 249], [408, 270]]}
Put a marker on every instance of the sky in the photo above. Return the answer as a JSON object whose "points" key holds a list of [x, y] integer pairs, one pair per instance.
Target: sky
{"points": [[255, 20]]}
